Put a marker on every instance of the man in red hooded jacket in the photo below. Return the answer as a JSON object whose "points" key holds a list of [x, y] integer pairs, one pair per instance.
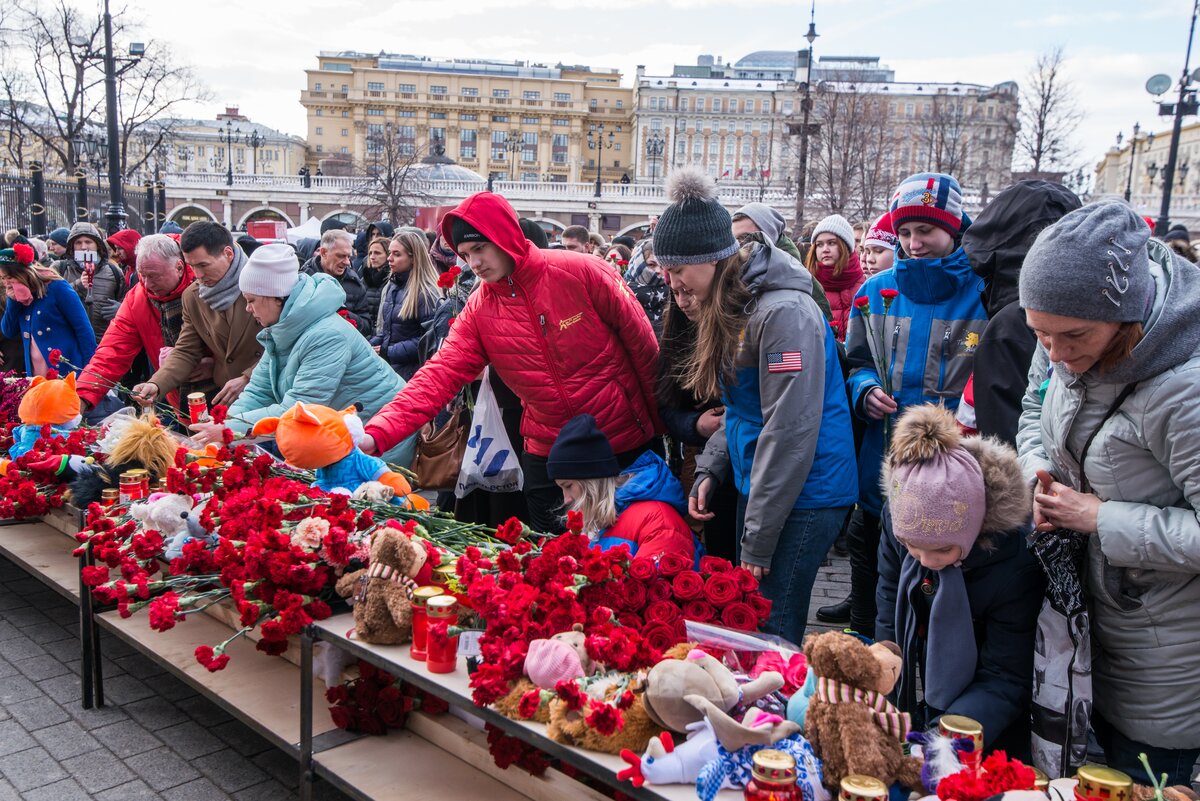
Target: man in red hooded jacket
{"points": [[561, 329]]}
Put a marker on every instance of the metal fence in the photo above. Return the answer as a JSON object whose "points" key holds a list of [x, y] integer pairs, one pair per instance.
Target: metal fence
{"points": [[66, 202]]}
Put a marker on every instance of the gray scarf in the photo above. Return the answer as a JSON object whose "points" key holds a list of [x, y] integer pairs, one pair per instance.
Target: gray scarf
{"points": [[951, 652], [225, 292]]}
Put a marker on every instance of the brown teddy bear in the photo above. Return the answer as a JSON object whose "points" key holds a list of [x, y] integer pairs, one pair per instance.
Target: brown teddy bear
{"points": [[383, 592], [568, 726], [850, 723]]}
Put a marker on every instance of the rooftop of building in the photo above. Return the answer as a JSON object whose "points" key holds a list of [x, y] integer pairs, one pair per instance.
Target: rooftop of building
{"points": [[463, 66]]}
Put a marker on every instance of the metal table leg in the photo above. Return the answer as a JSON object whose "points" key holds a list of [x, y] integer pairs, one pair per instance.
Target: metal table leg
{"points": [[86, 635], [306, 714]]}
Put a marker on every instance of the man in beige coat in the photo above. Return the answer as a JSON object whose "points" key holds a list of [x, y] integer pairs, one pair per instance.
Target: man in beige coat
{"points": [[216, 324]]}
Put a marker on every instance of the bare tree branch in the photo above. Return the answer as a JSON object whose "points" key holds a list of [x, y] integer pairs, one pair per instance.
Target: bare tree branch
{"points": [[390, 187], [1048, 117]]}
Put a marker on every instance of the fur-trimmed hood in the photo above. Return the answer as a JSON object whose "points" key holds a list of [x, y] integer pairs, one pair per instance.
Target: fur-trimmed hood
{"points": [[926, 430]]}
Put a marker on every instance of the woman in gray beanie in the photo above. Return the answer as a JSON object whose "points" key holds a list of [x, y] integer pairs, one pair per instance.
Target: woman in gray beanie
{"points": [[1109, 434]]}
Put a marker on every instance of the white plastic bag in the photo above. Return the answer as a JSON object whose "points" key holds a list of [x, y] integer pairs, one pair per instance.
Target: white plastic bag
{"points": [[489, 462]]}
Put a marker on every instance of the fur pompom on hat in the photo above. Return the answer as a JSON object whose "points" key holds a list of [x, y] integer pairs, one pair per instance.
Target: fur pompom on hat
{"points": [[695, 228], [944, 489]]}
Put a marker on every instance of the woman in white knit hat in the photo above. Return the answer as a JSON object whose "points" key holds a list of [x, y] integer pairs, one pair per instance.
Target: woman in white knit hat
{"points": [[311, 353], [833, 261]]}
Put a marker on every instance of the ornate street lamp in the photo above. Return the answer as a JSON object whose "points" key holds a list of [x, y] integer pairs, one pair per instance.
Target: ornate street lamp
{"points": [[654, 150], [597, 142]]}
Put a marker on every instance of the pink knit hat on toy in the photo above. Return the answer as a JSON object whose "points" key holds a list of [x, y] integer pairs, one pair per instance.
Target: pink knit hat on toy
{"points": [[550, 661]]}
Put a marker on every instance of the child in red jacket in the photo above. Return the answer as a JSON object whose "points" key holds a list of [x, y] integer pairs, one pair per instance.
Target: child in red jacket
{"points": [[641, 507]]}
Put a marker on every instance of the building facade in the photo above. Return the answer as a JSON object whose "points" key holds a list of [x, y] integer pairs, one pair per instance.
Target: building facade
{"points": [[201, 146], [1136, 166], [509, 120]]}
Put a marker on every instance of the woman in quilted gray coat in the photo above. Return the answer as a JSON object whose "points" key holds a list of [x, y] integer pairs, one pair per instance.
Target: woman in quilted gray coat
{"points": [[1109, 436]]}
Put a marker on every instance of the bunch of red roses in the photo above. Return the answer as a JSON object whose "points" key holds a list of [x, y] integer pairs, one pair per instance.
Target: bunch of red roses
{"points": [[372, 703], [507, 750]]}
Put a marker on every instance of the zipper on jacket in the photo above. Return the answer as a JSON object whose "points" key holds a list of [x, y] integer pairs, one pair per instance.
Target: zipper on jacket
{"points": [[550, 359], [891, 366], [512, 289], [942, 366]]}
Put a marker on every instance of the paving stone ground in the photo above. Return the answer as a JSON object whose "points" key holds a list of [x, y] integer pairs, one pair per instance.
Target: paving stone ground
{"points": [[156, 739]]}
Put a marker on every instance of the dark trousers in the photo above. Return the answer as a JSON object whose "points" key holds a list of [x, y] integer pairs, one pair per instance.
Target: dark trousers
{"points": [[862, 540], [545, 499], [1121, 753]]}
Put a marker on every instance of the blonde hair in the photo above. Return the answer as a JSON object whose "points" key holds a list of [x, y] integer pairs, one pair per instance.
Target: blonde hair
{"points": [[597, 502], [709, 361], [422, 278]]}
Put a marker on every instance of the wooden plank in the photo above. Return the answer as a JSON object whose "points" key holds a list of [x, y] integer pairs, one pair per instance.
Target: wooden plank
{"points": [[43, 553], [66, 519], [404, 765], [262, 691]]}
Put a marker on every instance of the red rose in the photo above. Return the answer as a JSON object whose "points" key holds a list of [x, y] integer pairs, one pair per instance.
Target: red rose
{"points": [[670, 564], [740, 616], [642, 569], [659, 636], [700, 611], [721, 589], [632, 596], [714, 564], [660, 590], [746, 580], [761, 606], [664, 612], [343, 716], [688, 585]]}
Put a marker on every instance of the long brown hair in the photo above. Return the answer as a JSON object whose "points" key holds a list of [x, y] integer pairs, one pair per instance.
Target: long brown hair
{"points": [[709, 361], [810, 258], [35, 277], [1120, 347]]}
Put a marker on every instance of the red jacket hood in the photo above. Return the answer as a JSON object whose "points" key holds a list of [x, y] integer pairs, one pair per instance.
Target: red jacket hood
{"points": [[492, 216], [126, 239]]}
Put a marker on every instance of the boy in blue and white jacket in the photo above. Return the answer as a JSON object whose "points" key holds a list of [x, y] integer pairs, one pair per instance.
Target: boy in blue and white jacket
{"points": [[926, 341]]}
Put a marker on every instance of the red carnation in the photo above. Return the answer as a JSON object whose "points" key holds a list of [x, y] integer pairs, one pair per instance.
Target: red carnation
{"points": [[218, 413], [530, 702], [688, 585], [55, 356], [721, 589], [862, 302], [606, 720], [574, 522], [889, 294], [570, 693]]}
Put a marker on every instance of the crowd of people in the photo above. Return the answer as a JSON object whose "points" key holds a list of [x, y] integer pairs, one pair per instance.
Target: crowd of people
{"points": [[964, 404]]}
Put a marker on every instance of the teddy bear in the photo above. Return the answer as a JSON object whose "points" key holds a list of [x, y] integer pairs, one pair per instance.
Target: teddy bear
{"points": [[849, 721], [383, 592], [699, 674], [569, 726], [317, 438], [561, 657], [175, 518]]}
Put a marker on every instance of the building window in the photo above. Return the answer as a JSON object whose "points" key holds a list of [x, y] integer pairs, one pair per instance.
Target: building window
{"points": [[374, 112], [498, 151], [406, 87], [320, 112], [406, 137], [621, 103], [320, 132], [470, 91], [345, 151], [499, 93], [439, 134], [558, 149], [593, 103], [374, 138], [320, 149], [562, 97], [562, 123], [345, 88], [530, 120], [466, 144], [437, 115], [733, 105], [316, 87], [531, 95], [345, 132], [616, 145], [908, 109], [345, 113], [499, 118], [683, 104], [656, 124], [374, 86], [699, 104], [654, 104], [529, 146], [468, 117], [438, 90], [406, 113], [716, 104]]}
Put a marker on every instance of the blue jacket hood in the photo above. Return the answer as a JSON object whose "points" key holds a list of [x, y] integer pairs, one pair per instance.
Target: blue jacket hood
{"points": [[313, 298], [649, 479], [934, 280]]}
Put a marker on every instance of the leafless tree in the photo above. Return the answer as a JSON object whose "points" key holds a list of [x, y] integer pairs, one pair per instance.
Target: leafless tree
{"points": [[62, 79], [1048, 117], [389, 185], [150, 93], [943, 137]]}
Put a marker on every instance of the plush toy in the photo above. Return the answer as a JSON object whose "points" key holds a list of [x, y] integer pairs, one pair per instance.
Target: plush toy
{"points": [[671, 681], [570, 727], [850, 722], [47, 402], [133, 442], [561, 657], [323, 440], [175, 517], [383, 592]]}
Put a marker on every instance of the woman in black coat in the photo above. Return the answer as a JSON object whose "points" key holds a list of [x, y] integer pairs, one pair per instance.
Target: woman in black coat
{"points": [[410, 299]]}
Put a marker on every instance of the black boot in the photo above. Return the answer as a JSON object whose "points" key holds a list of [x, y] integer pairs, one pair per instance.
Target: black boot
{"points": [[838, 613]]}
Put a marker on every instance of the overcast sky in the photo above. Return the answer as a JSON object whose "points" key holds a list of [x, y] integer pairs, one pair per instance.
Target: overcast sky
{"points": [[253, 54]]}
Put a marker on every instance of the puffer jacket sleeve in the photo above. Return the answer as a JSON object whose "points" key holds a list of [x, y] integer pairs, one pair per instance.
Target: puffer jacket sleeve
{"points": [[459, 360], [320, 367], [863, 375], [113, 358], [1150, 537], [1030, 451], [1000, 690], [661, 530], [791, 411], [621, 312]]}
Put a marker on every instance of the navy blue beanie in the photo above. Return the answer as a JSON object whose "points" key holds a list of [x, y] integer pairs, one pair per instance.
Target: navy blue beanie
{"points": [[581, 451], [60, 235]]}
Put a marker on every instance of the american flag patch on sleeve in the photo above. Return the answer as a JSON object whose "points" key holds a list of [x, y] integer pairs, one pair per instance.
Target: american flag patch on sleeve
{"points": [[785, 362]]}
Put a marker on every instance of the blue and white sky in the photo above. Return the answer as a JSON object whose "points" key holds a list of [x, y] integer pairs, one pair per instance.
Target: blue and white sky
{"points": [[253, 53]]}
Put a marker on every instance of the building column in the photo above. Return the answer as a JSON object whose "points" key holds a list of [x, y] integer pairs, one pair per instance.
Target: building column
{"points": [[227, 213], [594, 223], [303, 213]]}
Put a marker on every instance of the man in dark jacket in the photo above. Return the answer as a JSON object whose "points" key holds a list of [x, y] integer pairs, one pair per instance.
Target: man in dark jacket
{"points": [[333, 258], [996, 246]]}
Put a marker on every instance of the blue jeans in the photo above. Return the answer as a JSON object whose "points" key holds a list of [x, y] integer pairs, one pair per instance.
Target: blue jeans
{"points": [[1121, 753], [805, 539]]}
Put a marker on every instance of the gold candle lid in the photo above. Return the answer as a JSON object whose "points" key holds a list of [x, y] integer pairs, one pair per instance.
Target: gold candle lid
{"points": [[442, 574], [1040, 780], [441, 606], [1100, 782], [130, 477], [110, 493], [421, 595], [961, 726], [770, 765], [858, 786], [195, 396]]}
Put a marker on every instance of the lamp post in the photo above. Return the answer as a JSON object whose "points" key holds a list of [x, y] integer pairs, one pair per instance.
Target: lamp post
{"points": [[230, 136], [115, 215], [1186, 105], [1152, 171], [1133, 145], [255, 140], [654, 150], [597, 142], [512, 145], [806, 105]]}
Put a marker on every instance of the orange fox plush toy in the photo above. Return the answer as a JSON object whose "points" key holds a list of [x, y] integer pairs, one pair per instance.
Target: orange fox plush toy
{"points": [[325, 441]]}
